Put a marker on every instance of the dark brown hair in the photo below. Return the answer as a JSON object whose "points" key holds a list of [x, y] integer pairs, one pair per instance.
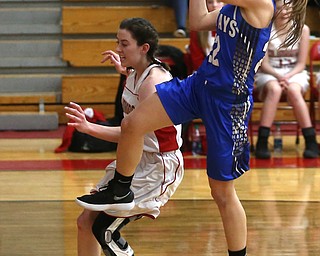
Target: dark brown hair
{"points": [[144, 32]]}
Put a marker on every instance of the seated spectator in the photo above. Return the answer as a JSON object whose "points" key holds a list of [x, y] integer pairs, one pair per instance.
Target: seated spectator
{"points": [[180, 8], [201, 41], [283, 71]]}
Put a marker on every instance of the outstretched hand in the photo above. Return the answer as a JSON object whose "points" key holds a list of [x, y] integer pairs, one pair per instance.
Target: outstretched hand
{"points": [[114, 59], [77, 117]]}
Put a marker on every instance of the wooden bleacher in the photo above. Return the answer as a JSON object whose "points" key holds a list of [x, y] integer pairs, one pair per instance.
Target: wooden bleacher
{"points": [[28, 98], [87, 29], [29, 59], [81, 76], [87, 52], [106, 19], [100, 90]]}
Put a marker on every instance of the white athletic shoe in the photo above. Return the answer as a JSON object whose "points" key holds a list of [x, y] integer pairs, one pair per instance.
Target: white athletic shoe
{"points": [[180, 33]]}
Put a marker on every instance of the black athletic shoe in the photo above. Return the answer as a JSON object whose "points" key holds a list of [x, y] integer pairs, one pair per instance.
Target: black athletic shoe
{"points": [[106, 200], [262, 154], [311, 150], [262, 151]]}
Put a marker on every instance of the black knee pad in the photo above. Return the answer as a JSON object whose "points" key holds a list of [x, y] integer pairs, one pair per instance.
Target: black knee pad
{"points": [[100, 225], [106, 229]]}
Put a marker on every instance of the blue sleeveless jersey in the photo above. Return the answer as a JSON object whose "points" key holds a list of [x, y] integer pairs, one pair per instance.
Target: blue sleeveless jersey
{"points": [[237, 53]]}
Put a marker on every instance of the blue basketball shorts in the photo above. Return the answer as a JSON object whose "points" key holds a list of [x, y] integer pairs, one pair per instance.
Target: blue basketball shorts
{"points": [[224, 118]]}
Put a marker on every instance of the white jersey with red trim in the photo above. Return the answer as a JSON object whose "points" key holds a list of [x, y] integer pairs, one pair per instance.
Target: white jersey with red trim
{"points": [[160, 170], [162, 140]]}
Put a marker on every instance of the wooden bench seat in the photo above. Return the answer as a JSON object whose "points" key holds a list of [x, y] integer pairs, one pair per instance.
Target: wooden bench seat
{"points": [[106, 19], [284, 112], [90, 88], [106, 109], [95, 90], [28, 98]]}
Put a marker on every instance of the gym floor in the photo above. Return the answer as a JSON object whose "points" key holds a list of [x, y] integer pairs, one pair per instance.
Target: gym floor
{"points": [[38, 214]]}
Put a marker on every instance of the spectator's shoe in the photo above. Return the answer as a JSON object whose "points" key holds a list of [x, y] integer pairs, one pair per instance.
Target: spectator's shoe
{"points": [[262, 151], [105, 199], [180, 33], [311, 150], [263, 154]]}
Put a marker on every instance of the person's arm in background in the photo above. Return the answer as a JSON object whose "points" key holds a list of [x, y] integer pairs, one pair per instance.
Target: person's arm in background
{"points": [[199, 16], [267, 68], [197, 54], [303, 53]]}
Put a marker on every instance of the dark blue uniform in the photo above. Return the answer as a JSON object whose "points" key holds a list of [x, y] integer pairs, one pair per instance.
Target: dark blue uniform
{"points": [[220, 93]]}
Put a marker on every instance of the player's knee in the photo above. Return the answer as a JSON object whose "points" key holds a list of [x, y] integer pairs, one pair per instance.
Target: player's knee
{"points": [[294, 92], [274, 89], [130, 126], [125, 125], [225, 198], [218, 197], [223, 193]]}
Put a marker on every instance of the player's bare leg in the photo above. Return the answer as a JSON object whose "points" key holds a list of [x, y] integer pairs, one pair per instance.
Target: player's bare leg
{"points": [[232, 213], [87, 243], [148, 116]]}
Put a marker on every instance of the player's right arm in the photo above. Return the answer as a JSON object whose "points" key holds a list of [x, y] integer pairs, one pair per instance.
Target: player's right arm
{"points": [[78, 120], [257, 13]]}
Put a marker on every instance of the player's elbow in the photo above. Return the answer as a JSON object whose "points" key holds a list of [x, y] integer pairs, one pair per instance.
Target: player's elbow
{"points": [[194, 26]]}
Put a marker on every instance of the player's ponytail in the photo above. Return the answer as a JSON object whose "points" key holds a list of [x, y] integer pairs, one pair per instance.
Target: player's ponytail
{"points": [[162, 64]]}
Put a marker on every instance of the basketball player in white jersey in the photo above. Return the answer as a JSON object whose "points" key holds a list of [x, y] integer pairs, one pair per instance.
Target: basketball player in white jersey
{"points": [[160, 169]]}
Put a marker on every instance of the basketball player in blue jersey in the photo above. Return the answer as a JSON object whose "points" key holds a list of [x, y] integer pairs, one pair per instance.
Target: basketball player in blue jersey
{"points": [[220, 93]]}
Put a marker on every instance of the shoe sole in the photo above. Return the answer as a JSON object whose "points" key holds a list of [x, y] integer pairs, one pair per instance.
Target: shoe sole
{"points": [[105, 207]]}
